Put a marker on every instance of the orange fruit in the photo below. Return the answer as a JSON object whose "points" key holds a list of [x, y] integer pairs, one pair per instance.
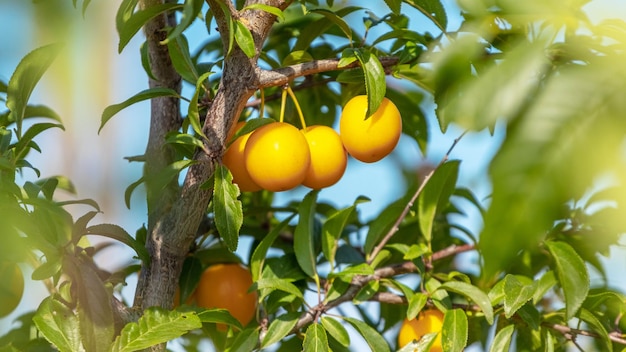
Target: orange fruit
{"points": [[226, 286], [234, 160], [369, 140], [277, 156], [328, 157], [11, 288], [428, 321]]}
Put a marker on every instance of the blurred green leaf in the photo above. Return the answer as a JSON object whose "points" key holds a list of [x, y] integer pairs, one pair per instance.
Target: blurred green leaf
{"points": [[58, 324], [454, 330], [315, 339], [303, 236], [332, 230], [24, 79], [220, 316], [572, 274], [189, 278], [151, 93], [155, 326], [335, 18]]}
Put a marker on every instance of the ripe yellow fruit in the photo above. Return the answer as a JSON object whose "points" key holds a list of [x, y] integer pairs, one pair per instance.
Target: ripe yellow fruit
{"points": [[372, 139], [226, 286], [428, 321], [11, 288], [328, 157], [234, 160], [277, 156]]}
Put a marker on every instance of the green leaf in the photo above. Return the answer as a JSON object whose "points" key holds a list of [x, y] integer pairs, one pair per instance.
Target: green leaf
{"points": [[118, 233], [572, 274], [124, 12], [315, 339], [29, 112], [25, 142], [424, 344], [182, 62], [260, 252], [383, 224], [159, 181], [394, 6], [435, 196], [129, 191], [228, 209], [244, 39], [332, 230], [189, 278], [433, 9], [155, 326], [131, 25], [267, 8], [373, 338], [334, 18], [278, 284], [279, 328], [245, 341], [516, 294], [375, 84], [336, 330], [192, 112], [191, 9], [58, 324], [454, 330], [220, 316], [597, 326], [111, 110], [416, 304], [303, 244], [24, 79], [545, 283], [473, 293], [502, 341]]}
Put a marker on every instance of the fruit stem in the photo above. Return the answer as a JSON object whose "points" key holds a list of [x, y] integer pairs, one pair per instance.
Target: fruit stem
{"points": [[295, 102], [283, 101]]}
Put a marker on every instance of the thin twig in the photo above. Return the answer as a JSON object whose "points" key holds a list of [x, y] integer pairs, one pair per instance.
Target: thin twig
{"points": [[571, 333], [405, 211]]}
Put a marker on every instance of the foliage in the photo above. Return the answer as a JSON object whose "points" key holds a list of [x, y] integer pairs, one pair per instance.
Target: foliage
{"points": [[540, 70]]}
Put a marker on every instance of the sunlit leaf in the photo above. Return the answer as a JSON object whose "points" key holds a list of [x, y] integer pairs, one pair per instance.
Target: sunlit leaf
{"points": [[155, 326], [131, 25], [258, 256], [245, 341], [375, 84], [267, 8], [181, 60], [192, 113], [516, 294], [58, 324], [279, 328], [502, 341], [244, 39]]}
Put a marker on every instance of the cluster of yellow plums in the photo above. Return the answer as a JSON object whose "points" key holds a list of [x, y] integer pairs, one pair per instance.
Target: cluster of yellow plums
{"points": [[278, 156]]}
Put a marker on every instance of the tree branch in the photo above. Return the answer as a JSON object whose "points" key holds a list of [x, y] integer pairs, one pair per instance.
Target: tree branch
{"points": [[359, 281], [405, 211], [282, 76], [571, 333]]}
